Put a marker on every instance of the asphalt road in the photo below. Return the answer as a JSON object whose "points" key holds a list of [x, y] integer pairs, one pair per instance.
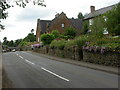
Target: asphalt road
{"points": [[27, 70]]}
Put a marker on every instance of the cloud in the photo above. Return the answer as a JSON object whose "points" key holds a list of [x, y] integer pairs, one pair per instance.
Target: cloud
{"points": [[32, 13]]}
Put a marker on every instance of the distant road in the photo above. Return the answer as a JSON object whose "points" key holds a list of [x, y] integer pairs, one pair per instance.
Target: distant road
{"points": [[27, 70]]}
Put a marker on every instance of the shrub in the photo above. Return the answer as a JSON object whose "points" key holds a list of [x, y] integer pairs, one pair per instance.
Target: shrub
{"points": [[70, 43], [53, 44], [23, 43], [70, 32], [117, 30], [60, 44], [80, 41], [112, 46], [55, 33], [64, 37], [47, 38], [85, 27]]}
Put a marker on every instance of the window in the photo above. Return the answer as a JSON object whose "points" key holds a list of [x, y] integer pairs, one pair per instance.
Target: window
{"points": [[105, 18], [63, 25], [90, 21], [105, 31]]}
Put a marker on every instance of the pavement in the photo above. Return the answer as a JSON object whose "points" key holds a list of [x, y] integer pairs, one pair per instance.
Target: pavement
{"points": [[109, 69], [32, 70], [0, 67]]}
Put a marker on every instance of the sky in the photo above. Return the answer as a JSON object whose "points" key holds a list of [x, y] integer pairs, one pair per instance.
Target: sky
{"points": [[20, 21]]}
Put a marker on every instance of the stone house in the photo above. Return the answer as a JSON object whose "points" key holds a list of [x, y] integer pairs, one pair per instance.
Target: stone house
{"points": [[60, 23], [96, 14]]}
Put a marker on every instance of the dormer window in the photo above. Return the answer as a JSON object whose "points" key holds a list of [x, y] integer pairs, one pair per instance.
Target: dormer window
{"points": [[62, 25], [90, 21]]}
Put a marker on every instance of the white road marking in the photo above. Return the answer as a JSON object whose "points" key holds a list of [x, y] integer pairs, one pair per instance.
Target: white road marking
{"points": [[29, 61], [55, 74], [21, 57]]}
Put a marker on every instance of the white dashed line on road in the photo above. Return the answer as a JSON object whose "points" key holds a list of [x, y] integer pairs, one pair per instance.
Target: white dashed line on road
{"points": [[21, 57], [55, 74], [29, 61]]}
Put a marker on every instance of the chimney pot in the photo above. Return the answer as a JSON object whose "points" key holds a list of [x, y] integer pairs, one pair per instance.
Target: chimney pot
{"points": [[92, 8]]}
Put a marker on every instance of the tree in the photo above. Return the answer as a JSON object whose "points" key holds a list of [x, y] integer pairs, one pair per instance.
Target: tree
{"points": [[17, 42], [5, 41], [85, 27], [47, 38], [113, 20], [97, 27], [80, 15], [30, 37], [32, 30], [70, 32], [11, 43], [55, 33], [5, 4]]}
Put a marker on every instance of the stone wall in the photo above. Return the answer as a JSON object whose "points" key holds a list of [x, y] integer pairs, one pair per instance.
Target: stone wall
{"points": [[75, 53], [108, 58]]}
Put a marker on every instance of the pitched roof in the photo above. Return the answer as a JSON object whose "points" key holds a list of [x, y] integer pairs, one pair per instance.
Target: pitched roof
{"points": [[98, 12], [77, 23], [43, 24], [59, 16]]}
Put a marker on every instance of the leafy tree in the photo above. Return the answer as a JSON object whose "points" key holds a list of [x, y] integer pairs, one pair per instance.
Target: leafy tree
{"points": [[70, 32], [5, 41], [32, 30], [55, 33], [47, 38], [80, 15], [11, 43], [85, 27], [97, 27], [30, 37], [17, 42], [23, 43], [113, 20]]}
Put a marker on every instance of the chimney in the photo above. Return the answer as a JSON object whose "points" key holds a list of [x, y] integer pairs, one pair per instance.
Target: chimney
{"points": [[57, 15], [92, 8]]}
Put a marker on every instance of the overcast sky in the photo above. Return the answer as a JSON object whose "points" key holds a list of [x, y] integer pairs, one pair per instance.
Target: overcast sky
{"points": [[21, 20]]}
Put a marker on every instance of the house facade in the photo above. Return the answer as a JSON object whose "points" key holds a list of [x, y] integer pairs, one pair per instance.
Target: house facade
{"points": [[96, 16], [60, 23]]}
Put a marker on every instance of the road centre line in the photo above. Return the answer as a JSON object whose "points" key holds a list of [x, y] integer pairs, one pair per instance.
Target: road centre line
{"points": [[29, 61], [21, 57], [55, 74]]}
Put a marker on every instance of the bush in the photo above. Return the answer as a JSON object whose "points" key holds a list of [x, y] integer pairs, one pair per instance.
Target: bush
{"points": [[70, 32], [117, 30], [80, 41], [60, 44], [55, 33], [70, 43], [64, 37], [112, 46], [23, 43], [47, 38]]}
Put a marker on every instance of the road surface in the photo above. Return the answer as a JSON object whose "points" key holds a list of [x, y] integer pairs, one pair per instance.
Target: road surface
{"points": [[27, 70]]}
